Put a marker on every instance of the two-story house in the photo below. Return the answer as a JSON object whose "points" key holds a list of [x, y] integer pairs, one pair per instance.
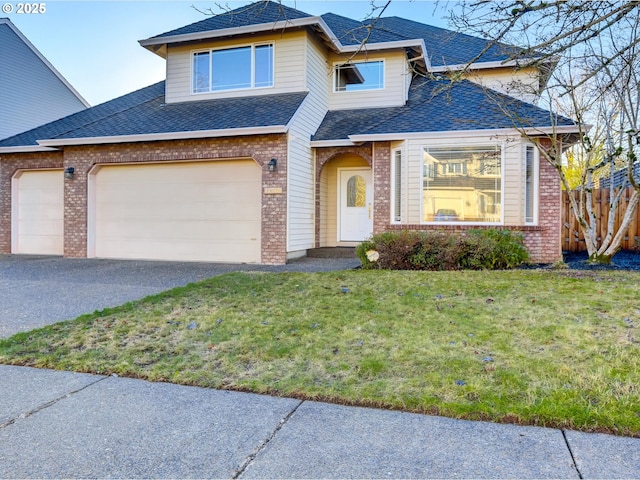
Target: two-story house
{"points": [[277, 132], [32, 91]]}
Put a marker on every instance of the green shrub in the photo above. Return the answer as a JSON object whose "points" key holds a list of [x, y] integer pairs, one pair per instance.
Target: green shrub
{"points": [[493, 249], [481, 249]]}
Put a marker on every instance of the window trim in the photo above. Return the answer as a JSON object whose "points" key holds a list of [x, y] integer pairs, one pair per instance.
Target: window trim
{"points": [[502, 146], [368, 60], [397, 177], [536, 183], [253, 46]]}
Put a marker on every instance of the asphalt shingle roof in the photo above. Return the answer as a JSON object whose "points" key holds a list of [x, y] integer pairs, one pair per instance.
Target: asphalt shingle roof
{"points": [[252, 14], [430, 108], [444, 47], [84, 117], [145, 112], [465, 106]]}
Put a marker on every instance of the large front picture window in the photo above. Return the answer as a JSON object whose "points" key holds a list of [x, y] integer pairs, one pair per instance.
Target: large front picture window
{"points": [[233, 68], [462, 184]]}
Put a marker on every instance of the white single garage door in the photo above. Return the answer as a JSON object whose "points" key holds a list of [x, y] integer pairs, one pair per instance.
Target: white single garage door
{"points": [[38, 212], [193, 211]]}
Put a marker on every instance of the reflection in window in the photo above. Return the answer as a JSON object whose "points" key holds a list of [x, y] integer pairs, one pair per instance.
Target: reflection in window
{"points": [[530, 185], [356, 192], [462, 184], [359, 76], [233, 68]]}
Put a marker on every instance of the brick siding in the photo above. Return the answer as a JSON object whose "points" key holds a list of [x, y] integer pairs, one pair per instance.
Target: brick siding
{"points": [[9, 165], [542, 240], [260, 148]]}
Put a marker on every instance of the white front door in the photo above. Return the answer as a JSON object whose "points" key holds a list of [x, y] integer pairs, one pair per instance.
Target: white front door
{"points": [[355, 205]]}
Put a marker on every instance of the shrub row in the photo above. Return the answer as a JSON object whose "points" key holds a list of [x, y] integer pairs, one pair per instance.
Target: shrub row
{"points": [[436, 250]]}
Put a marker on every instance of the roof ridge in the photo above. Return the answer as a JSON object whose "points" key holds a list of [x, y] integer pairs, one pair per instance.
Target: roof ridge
{"points": [[259, 8]]}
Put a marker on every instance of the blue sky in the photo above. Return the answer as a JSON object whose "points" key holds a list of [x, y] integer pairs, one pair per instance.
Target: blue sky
{"points": [[94, 44]]}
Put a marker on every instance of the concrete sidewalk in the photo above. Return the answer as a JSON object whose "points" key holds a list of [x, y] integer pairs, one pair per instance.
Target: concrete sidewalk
{"points": [[62, 424]]}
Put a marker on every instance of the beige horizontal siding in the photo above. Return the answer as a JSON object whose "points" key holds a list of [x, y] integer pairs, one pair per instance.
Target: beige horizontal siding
{"points": [[289, 73], [522, 84], [301, 175], [395, 83]]}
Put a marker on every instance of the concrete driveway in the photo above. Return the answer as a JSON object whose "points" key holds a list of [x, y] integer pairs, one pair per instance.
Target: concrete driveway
{"points": [[40, 290]]}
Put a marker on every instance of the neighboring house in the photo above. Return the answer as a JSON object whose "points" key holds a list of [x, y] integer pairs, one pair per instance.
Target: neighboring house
{"points": [[619, 177], [32, 91], [276, 132]]}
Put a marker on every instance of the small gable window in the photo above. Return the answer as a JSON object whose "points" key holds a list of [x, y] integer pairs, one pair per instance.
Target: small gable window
{"points": [[354, 76], [233, 68]]}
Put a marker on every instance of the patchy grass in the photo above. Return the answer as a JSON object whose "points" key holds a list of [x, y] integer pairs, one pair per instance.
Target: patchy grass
{"points": [[554, 348]]}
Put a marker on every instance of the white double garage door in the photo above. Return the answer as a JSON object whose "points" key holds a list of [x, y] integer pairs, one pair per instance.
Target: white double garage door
{"points": [[188, 211]]}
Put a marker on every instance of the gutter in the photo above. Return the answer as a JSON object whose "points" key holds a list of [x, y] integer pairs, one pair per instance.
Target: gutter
{"points": [[156, 137], [26, 149], [389, 137]]}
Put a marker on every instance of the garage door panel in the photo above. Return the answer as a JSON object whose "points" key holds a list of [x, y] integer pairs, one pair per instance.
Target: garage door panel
{"points": [[38, 212], [179, 192], [33, 244], [187, 251], [179, 230], [198, 210], [42, 228], [201, 211]]}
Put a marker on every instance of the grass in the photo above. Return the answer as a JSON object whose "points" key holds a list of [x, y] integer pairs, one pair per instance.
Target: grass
{"points": [[539, 347]]}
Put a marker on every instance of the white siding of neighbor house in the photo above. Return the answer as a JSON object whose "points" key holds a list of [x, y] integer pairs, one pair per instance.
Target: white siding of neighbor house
{"points": [[301, 174], [393, 94], [32, 93], [289, 72], [513, 173], [522, 84]]}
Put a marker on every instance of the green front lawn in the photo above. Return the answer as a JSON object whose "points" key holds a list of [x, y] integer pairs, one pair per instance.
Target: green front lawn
{"points": [[555, 348]]}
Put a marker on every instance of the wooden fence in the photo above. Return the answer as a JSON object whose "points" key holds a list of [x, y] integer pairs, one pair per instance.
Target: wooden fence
{"points": [[573, 240]]}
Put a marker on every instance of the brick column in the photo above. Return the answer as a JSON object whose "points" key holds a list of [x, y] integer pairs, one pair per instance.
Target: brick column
{"points": [[381, 186], [549, 214]]}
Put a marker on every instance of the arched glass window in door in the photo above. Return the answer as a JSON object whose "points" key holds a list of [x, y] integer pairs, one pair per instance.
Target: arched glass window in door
{"points": [[356, 191]]}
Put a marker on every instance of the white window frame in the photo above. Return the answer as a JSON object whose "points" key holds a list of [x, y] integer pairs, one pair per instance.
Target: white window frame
{"points": [[502, 146], [355, 62], [253, 46], [536, 183], [397, 197]]}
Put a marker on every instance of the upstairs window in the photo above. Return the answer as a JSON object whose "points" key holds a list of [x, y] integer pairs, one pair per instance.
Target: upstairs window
{"points": [[233, 68], [354, 76]]}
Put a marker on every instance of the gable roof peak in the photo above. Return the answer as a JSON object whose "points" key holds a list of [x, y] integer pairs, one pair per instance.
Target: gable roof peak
{"points": [[256, 13]]}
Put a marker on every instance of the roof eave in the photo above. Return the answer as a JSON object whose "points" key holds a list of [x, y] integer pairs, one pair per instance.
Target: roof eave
{"points": [[155, 137], [485, 65], [26, 149], [531, 131], [411, 43], [157, 44], [149, 43], [332, 143]]}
